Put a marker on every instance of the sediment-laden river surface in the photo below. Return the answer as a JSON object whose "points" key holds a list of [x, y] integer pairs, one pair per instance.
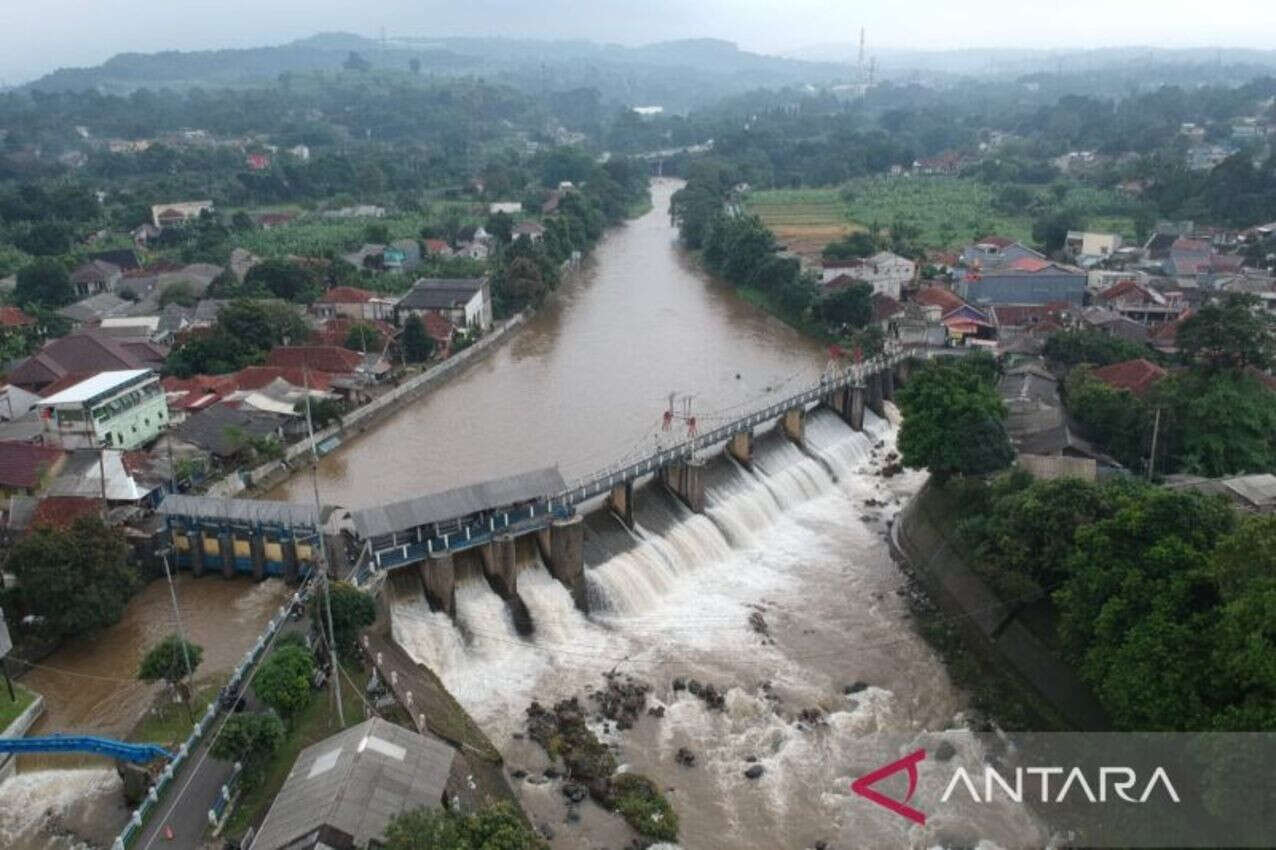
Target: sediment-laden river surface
{"points": [[782, 595], [90, 686]]}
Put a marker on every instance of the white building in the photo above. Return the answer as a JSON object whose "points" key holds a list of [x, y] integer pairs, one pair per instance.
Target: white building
{"points": [[122, 409], [887, 273]]}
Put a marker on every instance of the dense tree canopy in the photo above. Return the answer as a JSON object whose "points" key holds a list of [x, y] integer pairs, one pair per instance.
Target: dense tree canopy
{"points": [[493, 827], [352, 611], [283, 680], [953, 419], [249, 737], [46, 282], [78, 580], [1231, 334]]}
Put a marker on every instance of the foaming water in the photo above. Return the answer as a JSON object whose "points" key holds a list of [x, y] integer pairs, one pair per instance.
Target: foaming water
{"points": [[60, 809], [791, 475]]}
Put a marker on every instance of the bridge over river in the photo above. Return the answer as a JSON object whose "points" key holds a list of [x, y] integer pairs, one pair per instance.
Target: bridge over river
{"points": [[274, 538]]}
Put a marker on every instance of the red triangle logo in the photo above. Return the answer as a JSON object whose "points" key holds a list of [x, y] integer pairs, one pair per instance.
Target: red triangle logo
{"points": [[864, 786]]}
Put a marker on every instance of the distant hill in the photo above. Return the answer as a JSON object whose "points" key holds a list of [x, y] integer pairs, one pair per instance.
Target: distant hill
{"points": [[675, 74]]}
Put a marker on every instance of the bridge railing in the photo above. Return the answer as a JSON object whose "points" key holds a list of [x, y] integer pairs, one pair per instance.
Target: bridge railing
{"points": [[391, 551]]}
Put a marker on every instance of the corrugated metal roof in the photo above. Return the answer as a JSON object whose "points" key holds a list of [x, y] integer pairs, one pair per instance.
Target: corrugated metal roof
{"points": [[91, 388], [287, 514], [357, 781], [458, 502]]}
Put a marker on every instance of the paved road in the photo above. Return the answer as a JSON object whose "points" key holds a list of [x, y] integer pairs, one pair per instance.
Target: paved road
{"points": [[184, 806]]}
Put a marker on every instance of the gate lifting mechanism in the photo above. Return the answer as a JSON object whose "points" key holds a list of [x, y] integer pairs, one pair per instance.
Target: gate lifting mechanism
{"points": [[683, 416]]}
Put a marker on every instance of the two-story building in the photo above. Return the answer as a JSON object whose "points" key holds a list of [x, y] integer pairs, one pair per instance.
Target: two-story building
{"points": [[168, 215], [887, 273], [122, 410], [353, 303], [465, 302]]}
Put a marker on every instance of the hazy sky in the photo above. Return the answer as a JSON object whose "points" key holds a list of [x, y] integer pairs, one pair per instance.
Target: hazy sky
{"points": [[37, 36]]}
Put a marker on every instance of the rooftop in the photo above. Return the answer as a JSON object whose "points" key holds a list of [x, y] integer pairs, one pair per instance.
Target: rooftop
{"points": [[100, 384], [1134, 375], [356, 781]]}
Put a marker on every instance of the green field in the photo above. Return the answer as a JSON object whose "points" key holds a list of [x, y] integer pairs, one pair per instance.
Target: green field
{"points": [[949, 211]]}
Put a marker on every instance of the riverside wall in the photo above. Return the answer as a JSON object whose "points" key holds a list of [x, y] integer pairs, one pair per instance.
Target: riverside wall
{"points": [[923, 539]]}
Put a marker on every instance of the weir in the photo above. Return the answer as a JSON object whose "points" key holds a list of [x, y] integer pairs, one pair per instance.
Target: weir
{"points": [[273, 538]]}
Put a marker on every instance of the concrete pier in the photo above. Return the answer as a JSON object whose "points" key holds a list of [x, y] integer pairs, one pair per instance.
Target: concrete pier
{"points": [[686, 481], [292, 570], [621, 502], [794, 424], [740, 447], [196, 539], [226, 548], [888, 384], [500, 566], [567, 558], [875, 394], [855, 416], [438, 576], [257, 543]]}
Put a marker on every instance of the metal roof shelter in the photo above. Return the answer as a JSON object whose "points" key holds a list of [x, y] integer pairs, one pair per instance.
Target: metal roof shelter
{"points": [[356, 782], [91, 389], [458, 502], [254, 511]]}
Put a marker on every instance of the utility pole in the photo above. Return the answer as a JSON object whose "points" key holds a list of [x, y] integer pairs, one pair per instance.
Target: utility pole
{"points": [[323, 554], [1156, 427], [181, 636]]}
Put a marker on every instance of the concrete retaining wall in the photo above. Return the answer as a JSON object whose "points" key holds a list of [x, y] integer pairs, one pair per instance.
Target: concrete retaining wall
{"points": [[922, 537], [18, 729]]}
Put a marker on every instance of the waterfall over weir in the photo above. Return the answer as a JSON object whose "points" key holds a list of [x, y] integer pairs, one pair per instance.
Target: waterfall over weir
{"points": [[634, 575]]}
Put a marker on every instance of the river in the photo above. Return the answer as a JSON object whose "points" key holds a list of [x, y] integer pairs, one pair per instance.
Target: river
{"points": [[799, 539], [90, 685]]}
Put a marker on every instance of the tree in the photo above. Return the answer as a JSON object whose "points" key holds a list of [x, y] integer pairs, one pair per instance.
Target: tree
{"points": [[168, 660], [1229, 335], [249, 738], [853, 246], [1200, 439], [952, 421], [501, 226], [376, 232], [1116, 419], [417, 344], [284, 279], [283, 680], [78, 580], [1051, 230], [352, 611], [493, 827], [363, 337], [852, 305], [181, 292], [1068, 348], [242, 221], [323, 411], [264, 324], [44, 281], [523, 281]]}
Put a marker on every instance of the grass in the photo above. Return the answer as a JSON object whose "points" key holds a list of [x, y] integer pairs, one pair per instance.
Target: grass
{"points": [[169, 722], [765, 301], [10, 710], [949, 211], [316, 722]]}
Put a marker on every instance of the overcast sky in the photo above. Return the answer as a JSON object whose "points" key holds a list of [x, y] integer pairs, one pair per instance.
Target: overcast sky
{"points": [[37, 36]]}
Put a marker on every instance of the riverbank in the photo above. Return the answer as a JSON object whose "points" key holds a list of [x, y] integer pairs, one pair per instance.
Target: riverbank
{"points": [[988, 646]]}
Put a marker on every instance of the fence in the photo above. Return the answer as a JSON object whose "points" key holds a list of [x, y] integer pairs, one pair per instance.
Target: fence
{"points": [[221, 802], [134, 826]]}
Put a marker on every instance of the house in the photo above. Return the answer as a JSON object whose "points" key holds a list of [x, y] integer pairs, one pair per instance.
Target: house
{"points": [[1098, 280], [887, 273], [257, 161], [1027, 280], [1038, 428], [402, 255], [1251, 493], [224, 431], [59, 513], [440, 330], [124, 258], [945, 300], [1114, 324], [991, 252], [123, 409], [369, 256], [144, 233], [353, 303], [360, 211], [81, 477], [130, 327], [531, 229], [27, 467], [1136, 376], [170, 215], [343, 791], [95, 276], [15, 402], [1139, 302], [333, 359], [465, 302], [967, 322], [12, 318], [336, 331], [1164, 338], [95, 308], [87, 353], [475, 250], [271, 220], [885, 311], [507, 207], [1206, 157], [438, 248], [1085, 245], [301, 152], [175, 319]]}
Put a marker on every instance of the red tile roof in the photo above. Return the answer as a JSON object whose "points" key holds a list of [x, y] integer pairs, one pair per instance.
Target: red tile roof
{"points": [[1019, 315], [1028, 264], [1133, 375], [346, 295], [84, 351], [436, 246], [1126, 287], [337, 329], [325, 358], [884, 307], [61, 512], [12, 317], [22, 465], [937, 296], [438, 328], [256, 377]]}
